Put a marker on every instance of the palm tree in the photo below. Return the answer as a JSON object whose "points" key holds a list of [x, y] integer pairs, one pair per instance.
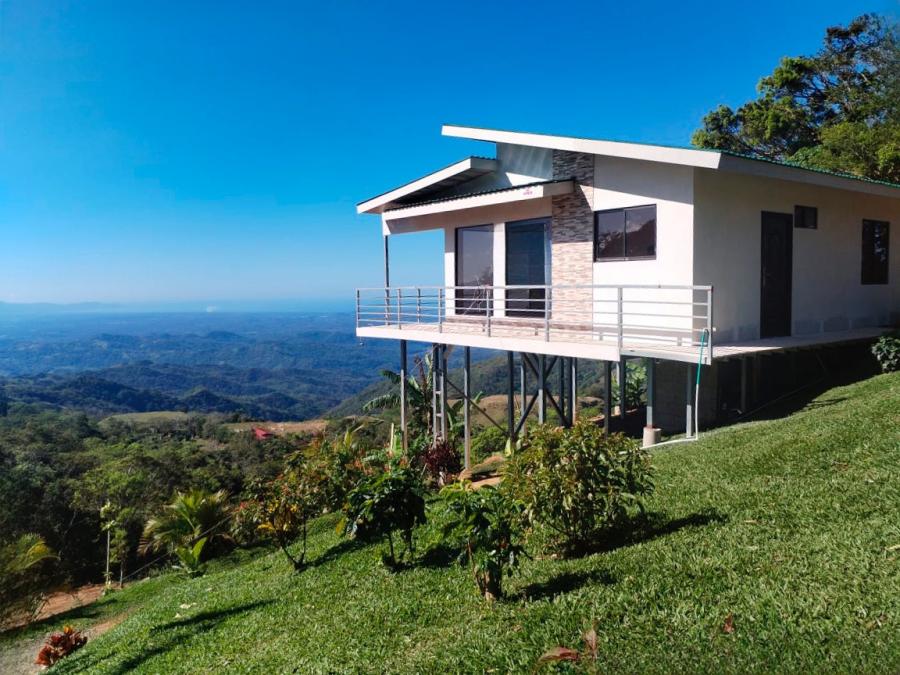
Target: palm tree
{"points": [[191, 515], [23, 554], [419, 392], [21, 590]]}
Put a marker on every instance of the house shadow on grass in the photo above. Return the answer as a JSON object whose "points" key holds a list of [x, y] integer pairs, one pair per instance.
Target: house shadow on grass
{"points": [[336, 551], [650, 527], [565, 583]]}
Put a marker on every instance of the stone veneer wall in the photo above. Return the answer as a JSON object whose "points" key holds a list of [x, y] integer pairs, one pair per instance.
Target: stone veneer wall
{"points": [[572, 236]]}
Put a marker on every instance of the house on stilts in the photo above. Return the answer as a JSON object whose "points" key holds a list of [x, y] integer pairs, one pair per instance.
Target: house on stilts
{"points": [[559, 249]]}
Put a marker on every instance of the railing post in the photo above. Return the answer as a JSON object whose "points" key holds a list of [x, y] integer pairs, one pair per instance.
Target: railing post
{"points": [[620, 315], [548, 302], [488, 306], [418, 304], [357, 308], [440, 309], [399, 309]]}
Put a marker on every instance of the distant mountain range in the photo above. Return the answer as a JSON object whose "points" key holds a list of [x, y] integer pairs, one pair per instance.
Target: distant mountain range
{"points": [[274, 366]]}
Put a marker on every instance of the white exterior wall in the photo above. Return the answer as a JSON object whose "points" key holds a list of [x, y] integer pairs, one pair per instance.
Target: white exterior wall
{"points": [[620, 183], [827, 294]]}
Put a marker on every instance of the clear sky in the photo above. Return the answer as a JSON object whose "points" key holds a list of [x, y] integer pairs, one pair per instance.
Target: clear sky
{"points": [[204, 151]]}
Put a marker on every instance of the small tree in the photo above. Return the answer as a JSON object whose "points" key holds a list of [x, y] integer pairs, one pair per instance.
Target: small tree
{"points": [[483, 522], [388, 501], [285, 505]]}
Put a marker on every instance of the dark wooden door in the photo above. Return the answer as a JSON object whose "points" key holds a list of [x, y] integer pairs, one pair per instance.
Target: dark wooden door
{"points": [[775, 278]]}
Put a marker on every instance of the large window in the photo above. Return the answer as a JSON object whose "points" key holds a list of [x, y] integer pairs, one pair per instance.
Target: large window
{"points": [[474, 268], [875, 251], [625, 234]]}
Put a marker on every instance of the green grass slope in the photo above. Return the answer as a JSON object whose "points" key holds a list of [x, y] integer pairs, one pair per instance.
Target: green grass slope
{"points": [[790, 526]]}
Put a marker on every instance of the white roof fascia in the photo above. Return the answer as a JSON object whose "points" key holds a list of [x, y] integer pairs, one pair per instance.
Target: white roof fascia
{"points": [[756, 167], [376, 204], [708, 159], [514, 194]]}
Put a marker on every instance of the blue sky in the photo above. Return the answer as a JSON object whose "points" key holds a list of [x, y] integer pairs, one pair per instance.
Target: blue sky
{"points": [[208, 151]]}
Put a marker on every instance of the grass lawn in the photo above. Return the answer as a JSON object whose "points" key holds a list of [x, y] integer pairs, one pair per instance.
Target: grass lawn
{"points": [[789, 526]]}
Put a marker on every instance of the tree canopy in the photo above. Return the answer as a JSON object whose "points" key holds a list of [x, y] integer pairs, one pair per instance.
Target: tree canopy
{"points": [[837, 110]]}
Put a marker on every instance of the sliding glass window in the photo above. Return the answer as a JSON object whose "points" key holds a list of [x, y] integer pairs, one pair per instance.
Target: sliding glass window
{"points": [[527, 264], [474, 268]]}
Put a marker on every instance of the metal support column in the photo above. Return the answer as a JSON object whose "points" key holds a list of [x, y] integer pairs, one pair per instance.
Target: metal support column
{"points": [[403, 376], [573, 389], [387, 281], [745, 403], [444, 392], [542, 389], [607, 395], [467, 393], [689, 408], [523, 383], [650, 366], [622, 376], [510, 398], [562, 391]]}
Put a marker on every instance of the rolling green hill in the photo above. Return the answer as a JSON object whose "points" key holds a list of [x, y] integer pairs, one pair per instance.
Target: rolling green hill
{"points": [[777, 548]]}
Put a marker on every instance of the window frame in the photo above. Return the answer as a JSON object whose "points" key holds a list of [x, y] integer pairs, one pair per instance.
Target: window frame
{"points": [[868, 280], [624, 210], [801, 208]]}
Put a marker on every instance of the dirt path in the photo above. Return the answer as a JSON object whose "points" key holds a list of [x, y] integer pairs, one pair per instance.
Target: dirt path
{"points": [[18, 657]]}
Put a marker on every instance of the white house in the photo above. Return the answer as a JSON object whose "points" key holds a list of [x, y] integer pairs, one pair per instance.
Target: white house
{"points": [[564, 248]]}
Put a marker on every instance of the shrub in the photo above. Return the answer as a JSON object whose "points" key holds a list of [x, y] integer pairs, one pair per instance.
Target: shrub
{"points": [[21, 582], [440, 461], [887, 351], [60, 645], [189, 558], [343, 462], [390, 500], [488, 441], [578, 484], [483, 523]]}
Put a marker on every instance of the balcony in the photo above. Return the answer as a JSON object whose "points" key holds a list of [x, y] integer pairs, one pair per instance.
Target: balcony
{"points": [[601, 322]]}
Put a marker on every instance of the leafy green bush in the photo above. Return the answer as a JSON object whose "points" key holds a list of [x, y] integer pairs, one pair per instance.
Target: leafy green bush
{"points": [[488, 441], [21, 584], [887, 351], [189, 557], [387, 501], [483, 523], [578, 484]]}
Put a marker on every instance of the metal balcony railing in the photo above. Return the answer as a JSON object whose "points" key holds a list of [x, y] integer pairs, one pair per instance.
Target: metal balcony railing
{"points": [[624, 315]]}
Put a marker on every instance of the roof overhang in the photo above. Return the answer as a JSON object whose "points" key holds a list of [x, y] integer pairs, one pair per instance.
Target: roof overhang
{"points": [[704, 159], [421, 188], [708, 159], [516, 193]]}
